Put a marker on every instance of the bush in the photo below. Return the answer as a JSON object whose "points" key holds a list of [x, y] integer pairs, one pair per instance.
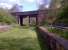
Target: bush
{"points": [[7, 20], [63, 16], [60, 32], [6, 17]]}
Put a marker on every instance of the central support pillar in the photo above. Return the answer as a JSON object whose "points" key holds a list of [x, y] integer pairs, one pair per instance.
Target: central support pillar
{"points": [[21, 20], [29, 20]]}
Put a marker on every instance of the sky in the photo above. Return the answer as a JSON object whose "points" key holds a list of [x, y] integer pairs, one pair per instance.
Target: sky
{"points": [[27, 5]]}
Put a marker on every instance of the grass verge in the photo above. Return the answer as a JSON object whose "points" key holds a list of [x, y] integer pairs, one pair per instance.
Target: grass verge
{"points": [[19, 39]]}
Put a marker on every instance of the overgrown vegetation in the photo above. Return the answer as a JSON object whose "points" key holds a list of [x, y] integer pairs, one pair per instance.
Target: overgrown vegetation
{"points": [[6, 17], [62, 21], [60, 32], [63, 16], [19, 39], [60, 18]]}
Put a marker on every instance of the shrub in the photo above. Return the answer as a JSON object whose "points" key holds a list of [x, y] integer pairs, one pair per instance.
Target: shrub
{"points": [[63, 16], [6, 17]]}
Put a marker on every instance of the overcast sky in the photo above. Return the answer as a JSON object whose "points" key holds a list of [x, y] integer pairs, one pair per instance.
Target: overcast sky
{"points": [[27, 5]]}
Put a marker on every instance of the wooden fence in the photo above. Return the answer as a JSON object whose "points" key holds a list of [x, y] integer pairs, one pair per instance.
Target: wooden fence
{"points": [[52, 41]]}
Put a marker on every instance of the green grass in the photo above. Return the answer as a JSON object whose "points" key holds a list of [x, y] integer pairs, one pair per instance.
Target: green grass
{"points": [[19, 39], [61, 33]]}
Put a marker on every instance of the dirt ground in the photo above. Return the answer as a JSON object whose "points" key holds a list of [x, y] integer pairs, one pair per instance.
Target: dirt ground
{"points": [[4, 28]]}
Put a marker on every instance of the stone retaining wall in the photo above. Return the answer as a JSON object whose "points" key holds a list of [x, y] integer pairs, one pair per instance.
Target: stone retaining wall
{"points": [[52, 41]]}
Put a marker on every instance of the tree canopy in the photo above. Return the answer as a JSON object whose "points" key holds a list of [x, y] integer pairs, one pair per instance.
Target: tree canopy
{"points": [[63, 16]]}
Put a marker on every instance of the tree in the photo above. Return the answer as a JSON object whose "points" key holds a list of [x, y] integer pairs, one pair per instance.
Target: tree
{"points": [[16, 8], [63, 16]]}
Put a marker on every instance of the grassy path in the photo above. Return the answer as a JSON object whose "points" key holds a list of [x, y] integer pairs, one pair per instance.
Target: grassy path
{"points": [[19, 39]]}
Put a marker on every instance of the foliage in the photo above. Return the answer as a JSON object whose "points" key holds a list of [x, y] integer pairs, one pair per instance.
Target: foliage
{"points": [[63, 16], [6, 17], [60, 32], [61, 20]]}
